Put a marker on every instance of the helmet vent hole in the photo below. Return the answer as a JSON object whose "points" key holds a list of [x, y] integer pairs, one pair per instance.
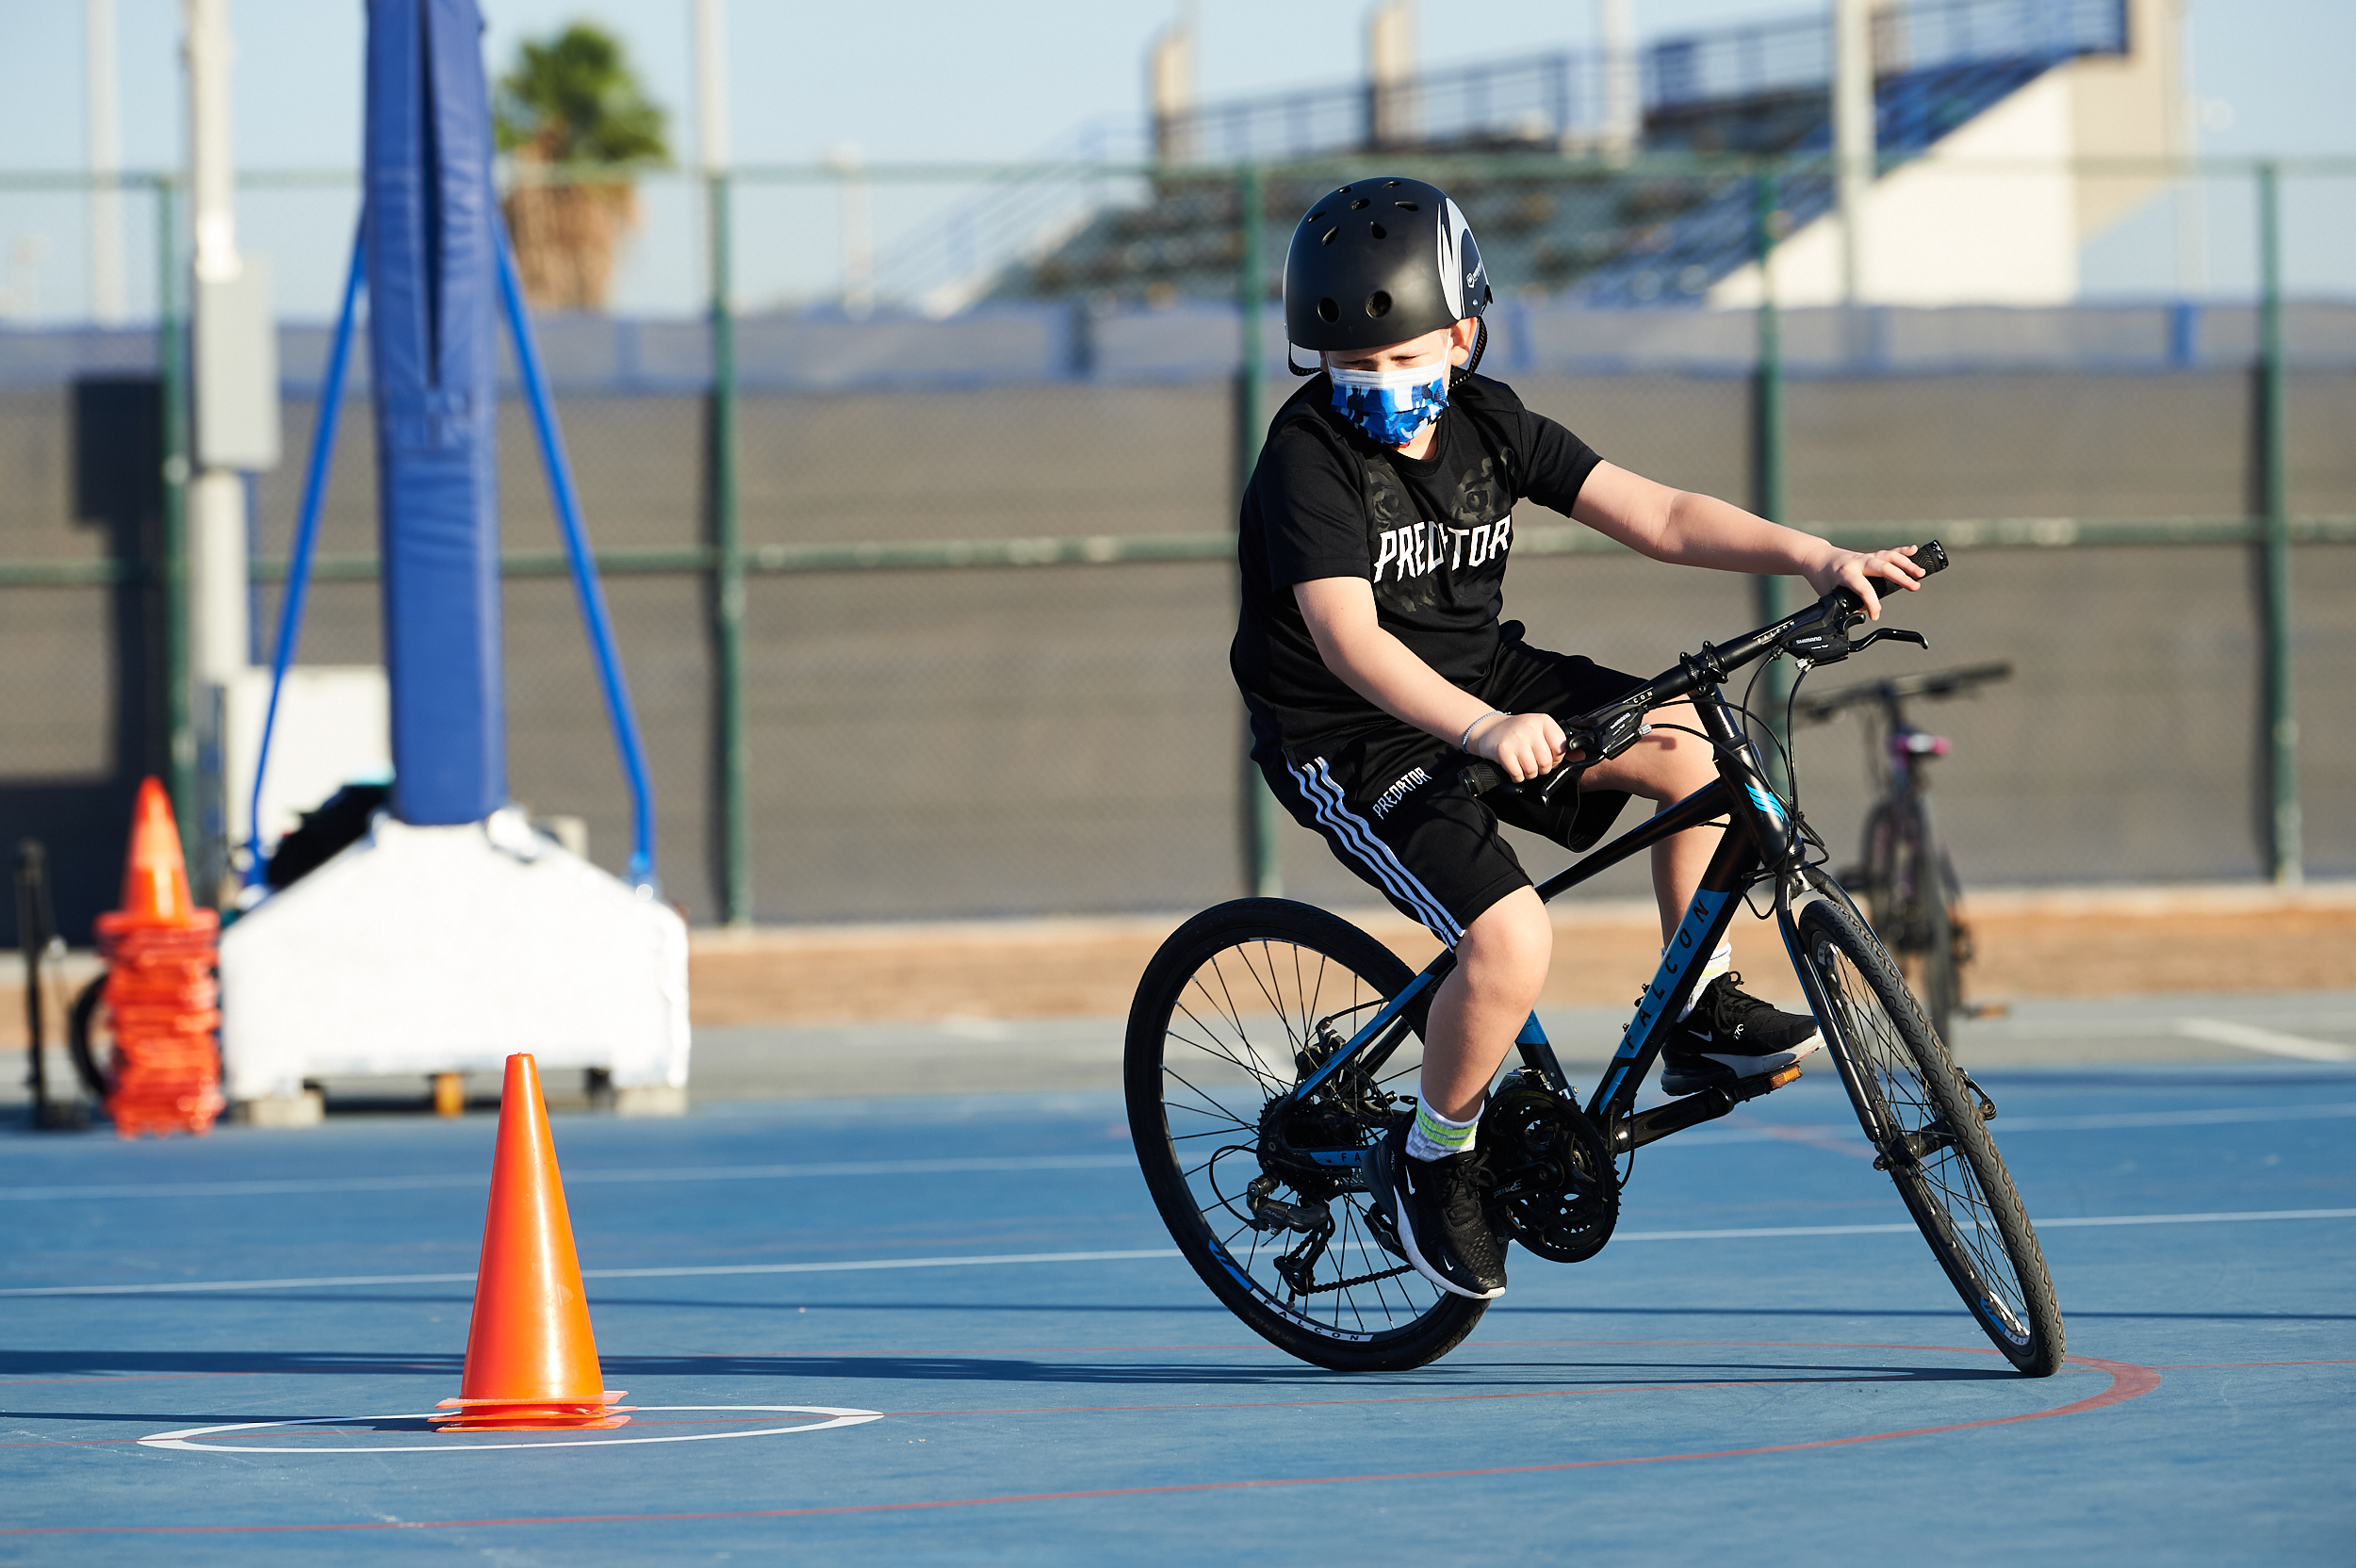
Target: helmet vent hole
{"points": [[1378, 231], [1390, 184], [1378, 304], [1329, 311], [1407, 206], [1315, 216], [1328, 238], [1344, 191], [1359, 204]]}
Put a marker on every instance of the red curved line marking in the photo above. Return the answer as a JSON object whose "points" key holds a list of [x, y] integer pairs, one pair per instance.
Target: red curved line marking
{"points": [[2128, 1382]]}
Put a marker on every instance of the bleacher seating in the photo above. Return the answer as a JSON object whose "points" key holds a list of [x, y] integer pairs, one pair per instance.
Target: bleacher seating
{"points": [[1584, 229]]}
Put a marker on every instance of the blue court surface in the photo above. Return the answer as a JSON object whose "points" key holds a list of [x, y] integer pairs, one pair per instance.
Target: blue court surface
{"points": [[951, 1330]]}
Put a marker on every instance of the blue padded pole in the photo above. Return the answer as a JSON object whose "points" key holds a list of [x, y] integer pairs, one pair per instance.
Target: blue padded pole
{"points": [[307, 536], [592, 613]]}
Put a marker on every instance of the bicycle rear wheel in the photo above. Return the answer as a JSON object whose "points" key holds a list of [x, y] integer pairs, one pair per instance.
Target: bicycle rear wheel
{"points": [[1932, 1138], [1239, 1004], [1911, 891]]}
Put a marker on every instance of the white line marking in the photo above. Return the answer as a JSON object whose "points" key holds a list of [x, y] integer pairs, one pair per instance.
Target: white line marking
{"points": [[2198, 1219], [1844, 1137], [1121, 1255], [573, 1178], [682, 1273], [2219, 1031], [454, 1444], [2041, 1224]]}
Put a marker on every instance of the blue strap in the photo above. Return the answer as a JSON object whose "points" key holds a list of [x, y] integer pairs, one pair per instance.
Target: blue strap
{"points": [[306, 537], [593, 611]]}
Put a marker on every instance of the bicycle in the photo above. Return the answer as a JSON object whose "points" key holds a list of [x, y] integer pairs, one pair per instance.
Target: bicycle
{"points": [[1269, 1042], [1908, 876]]}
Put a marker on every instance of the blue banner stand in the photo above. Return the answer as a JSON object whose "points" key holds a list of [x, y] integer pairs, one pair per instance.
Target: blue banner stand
{"points": [[454, 933]]}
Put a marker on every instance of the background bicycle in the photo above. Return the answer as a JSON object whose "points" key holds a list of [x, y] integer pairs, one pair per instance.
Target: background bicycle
{"points": [[1904, 871]]}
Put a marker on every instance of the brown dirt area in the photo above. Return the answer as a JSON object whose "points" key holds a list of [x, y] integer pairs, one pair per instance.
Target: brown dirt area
{"points": [[2074, 943], [2094, 943]]}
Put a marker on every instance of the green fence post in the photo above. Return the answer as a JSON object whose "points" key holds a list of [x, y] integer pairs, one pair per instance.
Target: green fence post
{"points": [[736, 855], [172, 353], [1263, 843], [1769, 593], [2282, 755]]}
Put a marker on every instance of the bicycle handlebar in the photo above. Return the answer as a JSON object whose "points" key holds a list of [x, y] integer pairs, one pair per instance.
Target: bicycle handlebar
{"points": [[1818, 633], [1940, 683]]}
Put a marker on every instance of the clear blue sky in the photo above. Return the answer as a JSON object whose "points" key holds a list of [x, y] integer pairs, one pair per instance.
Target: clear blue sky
{"points": [[908, 79]]}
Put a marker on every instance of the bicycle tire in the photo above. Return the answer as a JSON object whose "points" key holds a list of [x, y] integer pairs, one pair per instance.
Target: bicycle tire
{"points": [[1217, 1032], [1929, 1133], [1910, 890], [81, 1025], [1937, 985]]}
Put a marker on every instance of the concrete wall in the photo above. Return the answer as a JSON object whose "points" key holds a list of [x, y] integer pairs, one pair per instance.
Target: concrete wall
{"points": [[932, 743]]}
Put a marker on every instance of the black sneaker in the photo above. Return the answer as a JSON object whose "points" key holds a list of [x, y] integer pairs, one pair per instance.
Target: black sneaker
{"points": [[1434, 1207], [1729, 1035]]}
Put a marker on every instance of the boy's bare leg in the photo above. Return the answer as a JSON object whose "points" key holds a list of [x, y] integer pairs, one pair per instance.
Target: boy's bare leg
{"points": [[1500, 966], [1664, 767]]}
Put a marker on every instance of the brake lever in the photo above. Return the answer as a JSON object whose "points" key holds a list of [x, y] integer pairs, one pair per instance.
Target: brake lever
{"points": [[1614, 736], [1831, 645]]}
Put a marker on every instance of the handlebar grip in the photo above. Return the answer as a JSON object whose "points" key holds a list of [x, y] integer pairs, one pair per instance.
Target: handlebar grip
{"points": [[1930, 555], [1480, 778]]}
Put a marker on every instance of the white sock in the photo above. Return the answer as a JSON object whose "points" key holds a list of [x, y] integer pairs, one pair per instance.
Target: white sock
{"points": [[1434, 1136], [1721, 962]]}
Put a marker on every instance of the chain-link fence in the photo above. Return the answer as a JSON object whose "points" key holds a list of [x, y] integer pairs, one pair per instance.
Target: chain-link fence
{"points": [[983, 479]]}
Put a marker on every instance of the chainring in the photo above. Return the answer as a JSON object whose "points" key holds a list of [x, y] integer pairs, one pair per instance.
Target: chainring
{"points": [[1557, 1191]]}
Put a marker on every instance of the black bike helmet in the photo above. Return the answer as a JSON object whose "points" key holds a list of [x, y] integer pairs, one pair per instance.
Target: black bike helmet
{"points": [[1381, 261]]}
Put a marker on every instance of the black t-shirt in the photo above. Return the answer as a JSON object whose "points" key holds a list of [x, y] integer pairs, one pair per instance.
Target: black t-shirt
{"points": [[1431, 535]]}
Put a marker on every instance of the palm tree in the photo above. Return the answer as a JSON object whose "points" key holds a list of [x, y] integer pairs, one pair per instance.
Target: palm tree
{"points": [[573, 116]]}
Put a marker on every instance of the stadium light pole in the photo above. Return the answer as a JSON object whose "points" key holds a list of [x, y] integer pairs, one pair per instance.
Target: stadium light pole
{"points": [[736, 864], [103, 120], [233, 355], [1620, 122], [1853, 134]]}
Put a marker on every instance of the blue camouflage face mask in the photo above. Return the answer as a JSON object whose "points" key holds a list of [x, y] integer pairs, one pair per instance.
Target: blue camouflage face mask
{"points": [[1392, 405]]}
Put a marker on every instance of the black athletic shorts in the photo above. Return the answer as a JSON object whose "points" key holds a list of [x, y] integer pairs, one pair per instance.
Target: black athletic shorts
{"points": [[1387, 800]]}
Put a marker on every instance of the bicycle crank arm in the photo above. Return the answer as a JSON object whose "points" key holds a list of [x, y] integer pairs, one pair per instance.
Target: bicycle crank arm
{"points": [[1693, 1109]]}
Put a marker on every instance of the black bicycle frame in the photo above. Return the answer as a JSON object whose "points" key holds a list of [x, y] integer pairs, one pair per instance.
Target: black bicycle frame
{"points": [[1762, 832]]}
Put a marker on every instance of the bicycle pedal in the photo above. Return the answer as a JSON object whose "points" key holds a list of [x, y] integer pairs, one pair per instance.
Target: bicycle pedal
{"points": [[1766, 1083]]}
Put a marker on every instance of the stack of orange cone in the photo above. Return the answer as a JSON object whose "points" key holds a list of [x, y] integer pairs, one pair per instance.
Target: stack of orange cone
{"points": [[532, 1362], [161, 951]]}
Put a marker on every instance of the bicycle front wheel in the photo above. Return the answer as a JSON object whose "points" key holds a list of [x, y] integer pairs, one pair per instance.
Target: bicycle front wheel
{"points": [[1238, 1006], [1932, 1138]]}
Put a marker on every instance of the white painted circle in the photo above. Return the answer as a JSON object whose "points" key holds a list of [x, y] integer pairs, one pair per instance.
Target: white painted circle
{"points": [[836, 1416]]}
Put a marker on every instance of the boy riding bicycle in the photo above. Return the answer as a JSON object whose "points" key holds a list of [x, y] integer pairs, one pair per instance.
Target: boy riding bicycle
{"points": [[1374, 539]]}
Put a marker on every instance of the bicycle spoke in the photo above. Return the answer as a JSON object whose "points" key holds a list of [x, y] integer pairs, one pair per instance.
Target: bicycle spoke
{"points": [[1235, 1018], [1925, 1128]]}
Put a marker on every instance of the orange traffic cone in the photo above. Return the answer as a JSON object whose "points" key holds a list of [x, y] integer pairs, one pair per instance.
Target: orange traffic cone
{"points": [[160, 950], [154, 877], [532, 1362]]}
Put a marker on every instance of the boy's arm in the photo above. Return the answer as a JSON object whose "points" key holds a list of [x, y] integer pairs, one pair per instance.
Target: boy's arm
{"points": [[1385, 671], [1702, 530]]}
